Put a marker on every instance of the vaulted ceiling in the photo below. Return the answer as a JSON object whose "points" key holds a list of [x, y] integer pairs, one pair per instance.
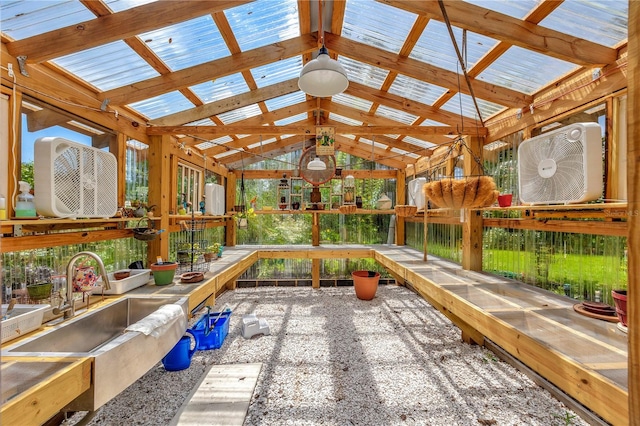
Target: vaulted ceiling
{"points": [[222, 75]]}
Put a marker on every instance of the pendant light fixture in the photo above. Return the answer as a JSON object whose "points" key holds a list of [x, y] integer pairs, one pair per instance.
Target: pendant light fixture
{"points": [[316, 164], [323, 76]]}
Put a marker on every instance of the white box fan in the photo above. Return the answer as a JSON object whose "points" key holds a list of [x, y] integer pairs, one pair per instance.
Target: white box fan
{"points": [[214, 199], [562, 166], [416, 192], [74, 180]]}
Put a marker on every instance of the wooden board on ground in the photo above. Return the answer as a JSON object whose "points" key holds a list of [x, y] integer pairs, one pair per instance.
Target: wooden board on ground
{"points": [[222, 398]]}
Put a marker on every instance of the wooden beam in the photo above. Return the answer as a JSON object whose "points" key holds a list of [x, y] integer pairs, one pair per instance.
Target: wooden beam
{"points": [[294, 129], [211, 70], [633, 191], [228, 104], [159, 159], [513, 31], [110, 28], [423, 71]]}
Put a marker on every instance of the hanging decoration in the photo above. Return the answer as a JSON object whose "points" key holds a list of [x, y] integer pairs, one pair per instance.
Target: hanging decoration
{"points": [[325, 139]]}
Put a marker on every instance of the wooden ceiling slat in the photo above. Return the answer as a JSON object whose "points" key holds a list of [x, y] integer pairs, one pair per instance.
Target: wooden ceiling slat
{"points": [[310, 130], [423, 71], [513, 31], [210, 70], [109, 28]]}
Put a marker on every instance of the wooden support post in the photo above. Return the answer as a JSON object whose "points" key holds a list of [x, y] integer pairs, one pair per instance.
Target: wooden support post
{"points": [[315, 273], [472, 227], [401, 198], [119, 149], [633, 191], [315, 229], [230, 234], [160, 193]]}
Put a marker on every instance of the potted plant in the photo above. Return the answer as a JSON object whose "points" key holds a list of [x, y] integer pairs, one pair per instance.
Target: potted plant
{"points": [[620, 299], [243, 216], [213, 252]]}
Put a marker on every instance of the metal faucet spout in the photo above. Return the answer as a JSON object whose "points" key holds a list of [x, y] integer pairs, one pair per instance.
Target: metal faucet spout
{"points": [[67, 306]]}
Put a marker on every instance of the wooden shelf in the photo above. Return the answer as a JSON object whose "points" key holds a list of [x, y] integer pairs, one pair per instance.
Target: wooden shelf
{"points": [[330, 211]]}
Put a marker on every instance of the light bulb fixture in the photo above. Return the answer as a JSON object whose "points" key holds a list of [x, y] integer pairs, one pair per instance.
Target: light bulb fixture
{"points": [[316, 164], [323, 77]]}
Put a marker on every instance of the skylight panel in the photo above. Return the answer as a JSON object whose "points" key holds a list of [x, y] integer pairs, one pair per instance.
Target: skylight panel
{"points": [[188, 43], [120, 5], [159, 106], [221, 88], [418, 142], [416, 90], [395, 114], [436, 48], [240, 114], [277, 72], [369, 23], [264, 22], [359, 72], [603, 22], [202, 122], [352, 101], [285, 101], [524, 70], [345, 120], [108, 66], [460, 100], [516, 9], [23, 19], [292, 119]]}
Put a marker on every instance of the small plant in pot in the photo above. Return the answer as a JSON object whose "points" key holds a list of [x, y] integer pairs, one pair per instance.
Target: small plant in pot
{"points": [[213, 252]]}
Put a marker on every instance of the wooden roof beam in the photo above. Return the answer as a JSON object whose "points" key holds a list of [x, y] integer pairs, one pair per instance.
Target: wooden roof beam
{"points": [[109, 28], [302, 129], [513, 31], [423, 71], [211, 70]]}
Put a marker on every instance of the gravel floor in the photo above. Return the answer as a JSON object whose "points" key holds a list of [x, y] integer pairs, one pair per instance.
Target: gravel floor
{"points": [[332, 359]]}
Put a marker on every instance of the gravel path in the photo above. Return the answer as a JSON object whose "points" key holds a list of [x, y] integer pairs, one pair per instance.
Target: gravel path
{"points": [[332, 359]]}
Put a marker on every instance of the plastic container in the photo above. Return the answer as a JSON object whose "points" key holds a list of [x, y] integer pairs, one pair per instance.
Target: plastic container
{"points": [[23, 320], [179, 357], [25, 206], [211, 333]]}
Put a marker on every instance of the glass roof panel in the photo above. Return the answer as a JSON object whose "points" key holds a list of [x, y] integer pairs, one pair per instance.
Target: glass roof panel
{"points": [[221, 88], [436, 48], [416, 90], [202, 122], [602, 22], [368, 22], [516, 9], [108, 66], [23, 19], [395, 114], [188, 43], [292, 119], [362, 73], [120, 5], [277, 72], [264, 22], [418, 142], [345, 120], [352, 101], [248, 111], [460, 100], [162, 105], [524, 70], [285, 101]]}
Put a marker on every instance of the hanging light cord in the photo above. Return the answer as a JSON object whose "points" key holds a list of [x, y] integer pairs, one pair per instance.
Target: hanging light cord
{"points": [[460, 59]]}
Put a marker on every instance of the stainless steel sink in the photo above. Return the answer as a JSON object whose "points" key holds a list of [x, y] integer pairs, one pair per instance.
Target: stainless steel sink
{"points": [[119, 357]]}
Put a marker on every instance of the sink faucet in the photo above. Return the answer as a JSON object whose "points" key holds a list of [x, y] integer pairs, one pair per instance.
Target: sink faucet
{"points": [[67, 306]]}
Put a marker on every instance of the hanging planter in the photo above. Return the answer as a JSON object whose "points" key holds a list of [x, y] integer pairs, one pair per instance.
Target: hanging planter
{"points": [[243, 223], [403, 210], [465, 193]]}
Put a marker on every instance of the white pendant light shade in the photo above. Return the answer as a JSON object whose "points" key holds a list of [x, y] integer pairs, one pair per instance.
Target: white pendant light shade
{"points": [[316, 164], [323, 77]]}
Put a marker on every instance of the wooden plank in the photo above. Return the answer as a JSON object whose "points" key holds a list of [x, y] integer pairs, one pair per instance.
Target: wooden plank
{"points": [[44, 400], [633, 191], [617, 229], [203, 292], [222, 397], [315, 273], [33, 242]]}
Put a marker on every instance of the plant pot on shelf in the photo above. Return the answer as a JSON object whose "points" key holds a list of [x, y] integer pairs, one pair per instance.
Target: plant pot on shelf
{"points": [[365, 284], [620, 299], [163, 273], [210, 256], [504, 200]]}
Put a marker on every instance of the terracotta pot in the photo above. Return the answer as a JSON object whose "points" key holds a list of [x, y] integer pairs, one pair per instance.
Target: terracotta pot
{"points": [[163, 273], [365, 284], [620, 299]]}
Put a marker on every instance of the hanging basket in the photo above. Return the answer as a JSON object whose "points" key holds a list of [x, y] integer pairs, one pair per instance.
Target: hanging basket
{"points": [[348, 209], [464, 193], [404, 210], [144, 234]]}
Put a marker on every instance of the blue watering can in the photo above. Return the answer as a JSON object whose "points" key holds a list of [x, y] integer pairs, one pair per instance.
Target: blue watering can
{"points": [[179, 358]]}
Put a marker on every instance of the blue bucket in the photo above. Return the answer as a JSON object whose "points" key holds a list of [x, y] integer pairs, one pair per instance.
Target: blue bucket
{"points": [[179, 358], [211, 330]]}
